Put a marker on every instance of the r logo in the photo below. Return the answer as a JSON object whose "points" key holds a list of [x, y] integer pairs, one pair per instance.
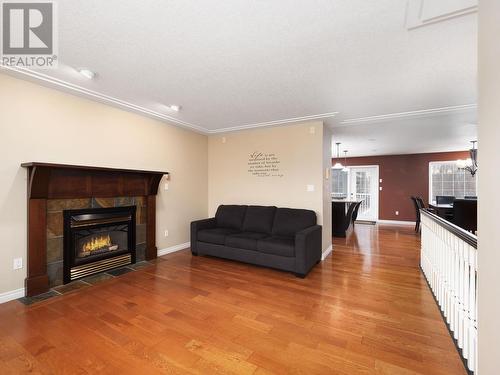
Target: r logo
{"points": [[27, 28]]}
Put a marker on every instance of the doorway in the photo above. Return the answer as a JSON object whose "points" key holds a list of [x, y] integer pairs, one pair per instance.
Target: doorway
{"points": [[364, 186]]}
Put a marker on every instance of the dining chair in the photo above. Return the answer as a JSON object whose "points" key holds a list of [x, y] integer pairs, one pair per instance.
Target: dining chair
{"points": [[465, 214], [350, 212], [416, 204], [444, 199], [355, 212]]}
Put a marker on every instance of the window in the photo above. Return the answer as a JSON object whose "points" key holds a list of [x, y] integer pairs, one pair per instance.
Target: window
{"points": [[447, 179], [339, 183]]}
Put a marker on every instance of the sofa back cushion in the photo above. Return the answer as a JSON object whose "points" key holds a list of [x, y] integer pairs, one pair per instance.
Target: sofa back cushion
{"points": [[289, 221], [259, 219], [230, 216]]}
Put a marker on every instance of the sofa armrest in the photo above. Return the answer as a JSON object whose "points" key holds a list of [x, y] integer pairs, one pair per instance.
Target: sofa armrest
{"points": [[307, 249], [197, 226]]}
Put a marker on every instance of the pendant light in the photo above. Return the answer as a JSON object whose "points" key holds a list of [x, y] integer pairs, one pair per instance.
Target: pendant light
{"points": [[338, 164], [470, 164], [345, 169]]}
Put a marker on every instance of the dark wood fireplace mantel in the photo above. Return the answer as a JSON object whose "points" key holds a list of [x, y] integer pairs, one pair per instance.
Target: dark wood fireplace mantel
{"points": [[62, 181]]}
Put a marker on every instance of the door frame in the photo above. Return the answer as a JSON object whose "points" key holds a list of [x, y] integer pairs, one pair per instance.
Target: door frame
{"points": [[377, 172]]}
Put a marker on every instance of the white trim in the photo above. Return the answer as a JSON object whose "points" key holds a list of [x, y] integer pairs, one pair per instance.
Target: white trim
{"points": [[409, 114], [274, 123], [327, 252], [173, 249], [12, 295], [396, 222], [86, 93]]}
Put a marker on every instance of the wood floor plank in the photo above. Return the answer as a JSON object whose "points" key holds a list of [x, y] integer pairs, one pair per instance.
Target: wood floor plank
{"points": [[365, 310]]}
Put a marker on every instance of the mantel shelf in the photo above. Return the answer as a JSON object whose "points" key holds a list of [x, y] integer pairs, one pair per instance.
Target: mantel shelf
{"points": [[88, 168], [60, 181]]}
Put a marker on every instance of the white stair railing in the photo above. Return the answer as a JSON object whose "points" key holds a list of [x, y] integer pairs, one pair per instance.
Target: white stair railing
{"points": [[449, 262]]}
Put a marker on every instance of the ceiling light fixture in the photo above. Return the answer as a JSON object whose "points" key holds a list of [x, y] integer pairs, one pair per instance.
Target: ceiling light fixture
{"points": [[338, 164], [89, 74], [174, 107], [345, 169], [471, 163]]}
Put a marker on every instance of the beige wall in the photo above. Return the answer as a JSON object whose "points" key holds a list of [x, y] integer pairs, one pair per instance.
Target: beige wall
{"points": [[300, 153], [41, 124], [489, 180]]}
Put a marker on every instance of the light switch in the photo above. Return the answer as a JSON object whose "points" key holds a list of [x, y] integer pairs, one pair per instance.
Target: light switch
{"points": [[18, 263], [166, 185], [310, 187]]}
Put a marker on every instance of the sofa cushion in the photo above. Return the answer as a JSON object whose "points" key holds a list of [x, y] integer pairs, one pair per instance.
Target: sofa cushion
{"points": [[259, 219], [215, 235], [277, 245], [230, 216], [289, 221], [245, 240]]}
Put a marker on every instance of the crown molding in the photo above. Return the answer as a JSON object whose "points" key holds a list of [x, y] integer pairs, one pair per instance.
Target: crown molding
{"points": [[274, 123], [409, 114], [113, 101], [107, 99]]}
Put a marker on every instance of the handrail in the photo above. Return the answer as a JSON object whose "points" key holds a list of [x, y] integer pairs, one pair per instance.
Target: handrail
{"points": [[461, 233]]}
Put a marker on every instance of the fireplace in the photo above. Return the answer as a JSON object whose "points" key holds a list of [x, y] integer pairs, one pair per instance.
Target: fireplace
{"points": [[97, 240]]}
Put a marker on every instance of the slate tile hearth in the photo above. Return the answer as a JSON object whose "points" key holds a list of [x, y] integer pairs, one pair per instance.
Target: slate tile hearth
{"points": [[85, 282]]}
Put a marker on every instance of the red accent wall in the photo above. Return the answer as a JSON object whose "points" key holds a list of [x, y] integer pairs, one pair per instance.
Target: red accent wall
{"points": [[403, 176]]}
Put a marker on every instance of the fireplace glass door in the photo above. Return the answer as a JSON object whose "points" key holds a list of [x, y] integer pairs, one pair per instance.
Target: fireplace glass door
{"points": [[100, 242], [97, 240]]}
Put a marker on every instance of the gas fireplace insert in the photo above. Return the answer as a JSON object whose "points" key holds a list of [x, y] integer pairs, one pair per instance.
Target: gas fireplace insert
{"points": [[97, 240]]}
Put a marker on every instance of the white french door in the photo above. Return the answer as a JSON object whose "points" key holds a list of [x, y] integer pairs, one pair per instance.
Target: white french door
{"points": [[364, 186]]}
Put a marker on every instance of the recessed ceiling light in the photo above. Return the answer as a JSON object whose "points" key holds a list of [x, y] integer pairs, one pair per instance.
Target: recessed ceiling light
{"points": [[89, 74], [174, 107]]}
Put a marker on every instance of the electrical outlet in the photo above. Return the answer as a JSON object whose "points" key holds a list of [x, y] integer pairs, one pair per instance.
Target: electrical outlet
{"points": [[224, 140], [312, 130], [397, 213], [18, 263], [166, 232], [310, 187]]}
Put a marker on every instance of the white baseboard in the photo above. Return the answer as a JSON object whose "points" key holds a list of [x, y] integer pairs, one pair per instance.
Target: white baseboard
{"points": [[396, 222], [327, 252], [173, 249], [12, 295]]}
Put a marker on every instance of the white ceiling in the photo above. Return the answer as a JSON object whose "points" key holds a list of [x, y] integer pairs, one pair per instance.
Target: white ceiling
{"points": [[238, 63]]}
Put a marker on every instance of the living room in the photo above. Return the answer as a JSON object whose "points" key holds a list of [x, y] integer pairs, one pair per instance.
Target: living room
{"points": [[167, 187]]}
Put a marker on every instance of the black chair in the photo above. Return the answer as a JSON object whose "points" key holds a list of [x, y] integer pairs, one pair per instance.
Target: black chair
{"points": [[422, 204], [355, 212], [465, 214], [444, 199], [417, 206], [349, 215], [470, 197]]}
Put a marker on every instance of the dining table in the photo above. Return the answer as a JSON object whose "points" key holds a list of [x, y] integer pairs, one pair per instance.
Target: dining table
{"points": [[444, 210]]}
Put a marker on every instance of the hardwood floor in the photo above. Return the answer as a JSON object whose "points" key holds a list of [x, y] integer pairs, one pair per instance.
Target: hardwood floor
{"points": [[365, 310]]}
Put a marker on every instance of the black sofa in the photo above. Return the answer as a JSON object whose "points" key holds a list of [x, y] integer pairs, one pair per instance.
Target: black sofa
{"points": [[283, 238]]}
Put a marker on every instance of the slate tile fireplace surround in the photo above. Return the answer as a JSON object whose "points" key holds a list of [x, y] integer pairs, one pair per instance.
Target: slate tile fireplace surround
{"points": [[86, 219]]}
